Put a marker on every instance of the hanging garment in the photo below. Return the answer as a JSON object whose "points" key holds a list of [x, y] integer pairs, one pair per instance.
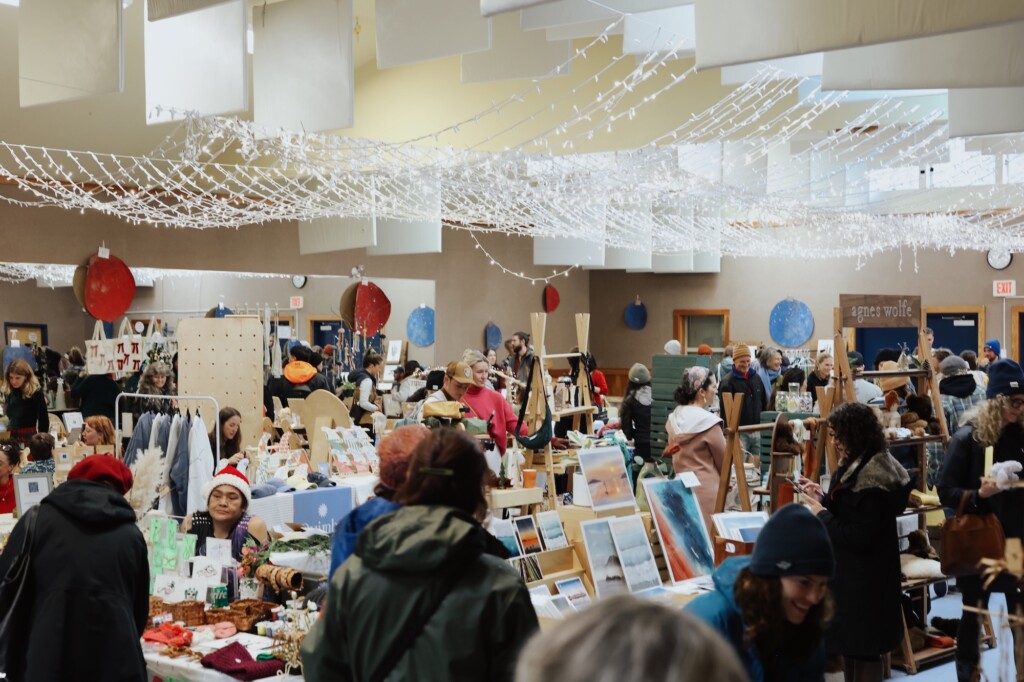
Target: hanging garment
{"points": [[154, 430], [275, 362], [163, 438], [171, 452], [200, 466], [266, 337], [139, 439], [179, 472]]}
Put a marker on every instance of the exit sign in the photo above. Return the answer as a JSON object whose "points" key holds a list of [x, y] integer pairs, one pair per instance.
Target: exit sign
{"points": [[295, 302], [1004, 287]]}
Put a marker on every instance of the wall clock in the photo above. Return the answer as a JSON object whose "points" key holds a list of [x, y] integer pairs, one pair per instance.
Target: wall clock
{"points": [[298, 281], [999, 260]]}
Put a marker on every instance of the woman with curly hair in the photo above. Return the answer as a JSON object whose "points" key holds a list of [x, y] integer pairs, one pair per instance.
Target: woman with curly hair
{"points": [[158, 379], [24, 402], [774, 606], [997, 423], [859, 511]]}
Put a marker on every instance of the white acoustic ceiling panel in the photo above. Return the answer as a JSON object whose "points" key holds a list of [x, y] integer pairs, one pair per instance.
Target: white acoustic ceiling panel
{"points": [[986, 111], [303, 74], [565, 12], [585, 29], [491, 7], [660, 31], [516, 54], [197, 62], [398, 237], [69, 49], [336, 234], [983, 58], [801, 65], [163, 9], [567, 251], [789, 27], [410, 31]]}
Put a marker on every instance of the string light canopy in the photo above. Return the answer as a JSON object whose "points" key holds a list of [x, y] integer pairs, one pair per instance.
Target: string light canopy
{"points": [[748, 176]]}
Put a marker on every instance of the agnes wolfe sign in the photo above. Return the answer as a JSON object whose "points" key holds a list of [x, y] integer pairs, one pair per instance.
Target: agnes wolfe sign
{"points": [[860, 310]]}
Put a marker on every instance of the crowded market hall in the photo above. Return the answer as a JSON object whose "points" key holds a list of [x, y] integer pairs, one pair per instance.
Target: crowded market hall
{"points": [[511, 340]]}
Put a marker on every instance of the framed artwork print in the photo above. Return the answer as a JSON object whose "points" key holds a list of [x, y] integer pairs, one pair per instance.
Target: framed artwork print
{"points": [[30, 489]]}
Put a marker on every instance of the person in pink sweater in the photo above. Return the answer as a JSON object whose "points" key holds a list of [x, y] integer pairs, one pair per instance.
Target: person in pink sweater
{"points": [[487, 404], [696, 438]]}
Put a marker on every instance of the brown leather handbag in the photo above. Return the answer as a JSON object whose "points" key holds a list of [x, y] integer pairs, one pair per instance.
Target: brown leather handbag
{"points": [[969, 538]]}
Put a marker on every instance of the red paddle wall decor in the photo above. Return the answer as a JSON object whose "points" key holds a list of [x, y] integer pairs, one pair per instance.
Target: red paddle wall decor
{"points": [[109, 288], [551, 299]]}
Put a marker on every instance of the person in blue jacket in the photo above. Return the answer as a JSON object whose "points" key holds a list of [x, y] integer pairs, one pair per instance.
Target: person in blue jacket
{"points": [[774, 606], [394, 452]]}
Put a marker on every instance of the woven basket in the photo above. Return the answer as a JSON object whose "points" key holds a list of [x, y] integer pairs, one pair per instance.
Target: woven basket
{"points": [[189, 612], [243, 614], [156, 607]]}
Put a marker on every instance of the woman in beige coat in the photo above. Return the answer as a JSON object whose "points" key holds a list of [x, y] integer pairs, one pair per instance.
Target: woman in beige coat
{"points": [[696, 438]]}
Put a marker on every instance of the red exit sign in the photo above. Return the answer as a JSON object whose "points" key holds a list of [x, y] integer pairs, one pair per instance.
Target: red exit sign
{"points": [[1004, 287], [295, 303]]}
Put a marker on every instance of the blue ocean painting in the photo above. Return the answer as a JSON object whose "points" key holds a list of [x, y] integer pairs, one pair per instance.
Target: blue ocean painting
{"points": [[680, 525]]}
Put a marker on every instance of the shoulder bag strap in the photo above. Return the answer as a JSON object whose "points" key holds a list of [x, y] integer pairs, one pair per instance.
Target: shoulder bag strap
{"points": [[963, 502], [410, 634]]}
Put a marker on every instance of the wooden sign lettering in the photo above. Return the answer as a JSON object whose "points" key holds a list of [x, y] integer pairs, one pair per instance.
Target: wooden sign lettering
{"points": [[860, 310]]}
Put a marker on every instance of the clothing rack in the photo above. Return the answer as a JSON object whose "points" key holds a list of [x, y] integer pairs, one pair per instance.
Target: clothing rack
{"points": [[149, 396]]}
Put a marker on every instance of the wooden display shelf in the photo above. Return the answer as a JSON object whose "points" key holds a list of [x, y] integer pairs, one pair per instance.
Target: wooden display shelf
{"points": [[916, 440], [574, 410], [504, 498], [922, 582], [924, 509], [927, 656], [909, 373], [562, 564]]}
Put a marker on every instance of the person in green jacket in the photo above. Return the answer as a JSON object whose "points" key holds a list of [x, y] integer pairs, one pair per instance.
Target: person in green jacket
{"points": [[427, 594]]}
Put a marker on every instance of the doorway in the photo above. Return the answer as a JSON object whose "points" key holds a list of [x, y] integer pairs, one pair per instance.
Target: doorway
{"points": [[957, 328], [324, 329], [870, 340]]}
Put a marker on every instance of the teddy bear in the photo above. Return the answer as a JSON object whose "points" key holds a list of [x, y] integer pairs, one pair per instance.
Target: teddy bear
{"points": [[918, 417]]}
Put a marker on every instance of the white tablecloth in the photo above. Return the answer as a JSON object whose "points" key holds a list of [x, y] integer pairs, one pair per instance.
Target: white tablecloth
{"points": [[184, 669]]}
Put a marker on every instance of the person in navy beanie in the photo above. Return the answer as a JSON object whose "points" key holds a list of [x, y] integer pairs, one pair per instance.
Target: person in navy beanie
{"points": [[997, 423], [774, 606], [991, 352]]}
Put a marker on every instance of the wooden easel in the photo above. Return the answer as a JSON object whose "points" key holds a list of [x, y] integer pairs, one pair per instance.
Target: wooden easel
{"points": [[537, 406], [733, 455]]}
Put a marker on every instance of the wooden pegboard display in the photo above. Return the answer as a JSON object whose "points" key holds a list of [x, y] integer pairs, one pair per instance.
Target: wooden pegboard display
{"points": [[224, 358]]}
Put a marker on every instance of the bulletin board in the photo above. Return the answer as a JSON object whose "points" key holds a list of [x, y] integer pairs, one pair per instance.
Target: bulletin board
{"points": [[223, 357]]}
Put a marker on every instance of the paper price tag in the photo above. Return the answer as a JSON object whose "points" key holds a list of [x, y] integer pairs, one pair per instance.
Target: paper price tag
{"points": [[689, 479], [218, 550]]}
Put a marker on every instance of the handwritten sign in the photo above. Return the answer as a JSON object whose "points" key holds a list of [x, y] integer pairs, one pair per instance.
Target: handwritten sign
{"points": [[860, 310]]}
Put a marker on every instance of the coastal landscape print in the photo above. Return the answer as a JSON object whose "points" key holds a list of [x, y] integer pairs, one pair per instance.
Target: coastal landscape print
{"points": [[680, 526]]}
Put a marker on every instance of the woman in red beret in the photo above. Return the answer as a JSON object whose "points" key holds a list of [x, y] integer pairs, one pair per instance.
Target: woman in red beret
{"points": [[88, 587]]}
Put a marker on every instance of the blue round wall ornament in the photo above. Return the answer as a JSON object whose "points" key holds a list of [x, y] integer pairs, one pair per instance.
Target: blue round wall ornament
{"points": [[492, 336], [420, 326], [635, 315], [791, 323]]}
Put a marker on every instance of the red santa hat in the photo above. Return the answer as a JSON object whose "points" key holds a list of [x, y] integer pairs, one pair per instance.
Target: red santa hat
{"points": [[231, 476]]}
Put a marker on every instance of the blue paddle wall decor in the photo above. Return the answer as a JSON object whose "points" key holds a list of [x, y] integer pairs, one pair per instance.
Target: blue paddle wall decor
{"points": [[420, 326], [636, 315], [791, 323]]}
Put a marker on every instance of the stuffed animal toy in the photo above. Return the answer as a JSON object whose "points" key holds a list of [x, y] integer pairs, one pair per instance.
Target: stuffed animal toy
{"points": [[921, 405], [891, 415], [920, 547], [785, 441], [1005, 472]]}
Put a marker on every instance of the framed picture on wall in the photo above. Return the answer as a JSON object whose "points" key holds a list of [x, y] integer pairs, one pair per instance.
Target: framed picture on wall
{"points": [[396, 352]]}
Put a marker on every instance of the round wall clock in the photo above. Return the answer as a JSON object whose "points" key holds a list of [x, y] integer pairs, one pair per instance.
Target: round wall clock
{"points": [[999, 260], [298, 281]]}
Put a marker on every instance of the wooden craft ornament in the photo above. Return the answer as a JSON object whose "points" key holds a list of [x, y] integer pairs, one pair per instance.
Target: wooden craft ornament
{"points": [[109, 288]]}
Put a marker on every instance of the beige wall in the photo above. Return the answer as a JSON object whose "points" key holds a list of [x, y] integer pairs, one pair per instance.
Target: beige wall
{"points": [[468, 291], [750, 287]]}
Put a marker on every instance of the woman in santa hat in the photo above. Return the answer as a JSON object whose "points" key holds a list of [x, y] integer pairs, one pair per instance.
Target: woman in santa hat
{"points": [[227, 498]]}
